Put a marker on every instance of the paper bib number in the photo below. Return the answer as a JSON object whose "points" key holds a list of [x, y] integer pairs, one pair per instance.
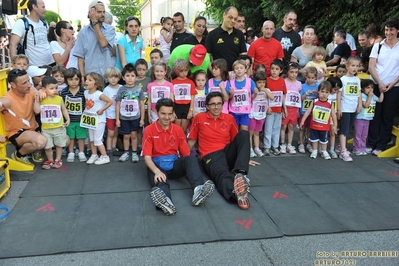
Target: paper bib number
{"points": [[240, 98], [159, 92], [370, 111], [321, 114], [89, 120], [129, 108], [182, 91], [50, 114], [293, 99], [278, 99], [73, 105], [199, 104], [351, 90], [259, 109]]}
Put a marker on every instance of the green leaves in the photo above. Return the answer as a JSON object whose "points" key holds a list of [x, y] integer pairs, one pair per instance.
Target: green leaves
{"points": [[121, 9]]}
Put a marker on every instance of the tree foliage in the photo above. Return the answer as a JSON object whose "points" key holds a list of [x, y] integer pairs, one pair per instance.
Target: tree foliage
{"points": [[51, 16], [121, 9], [354, 15]]}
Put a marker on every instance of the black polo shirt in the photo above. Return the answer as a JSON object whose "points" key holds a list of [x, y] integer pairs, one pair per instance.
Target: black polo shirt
{"points": [[220, 44], [178, 39]]}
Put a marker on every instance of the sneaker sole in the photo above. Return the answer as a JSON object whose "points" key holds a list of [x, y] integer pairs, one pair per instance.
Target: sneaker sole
{"points": [[241, 190], [207, 191], [14, 157], [159, 199]]}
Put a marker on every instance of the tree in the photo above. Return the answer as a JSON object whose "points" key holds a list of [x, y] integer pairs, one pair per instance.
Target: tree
{"points": [[122, 9], [51, 16], [353, 15]]}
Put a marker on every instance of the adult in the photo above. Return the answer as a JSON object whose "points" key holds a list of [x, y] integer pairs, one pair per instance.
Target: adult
{"points": [[109, 19], [224, 150], [130, 46], [303, 54], [250, 37], [180, 33], [265, 49], [364, 53], [37, 74], [196, 55], [287, 36], [374, 30], [226, 41], [95, 42], [384, 70], [349, 39], [37, 47], [240, 23], [23, 100], [163, 142], [61, 42], [342, 49], [200, 32]]}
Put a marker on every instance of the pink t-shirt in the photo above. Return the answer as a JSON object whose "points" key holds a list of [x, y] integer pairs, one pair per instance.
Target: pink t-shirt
{"points": [[158, 91]]}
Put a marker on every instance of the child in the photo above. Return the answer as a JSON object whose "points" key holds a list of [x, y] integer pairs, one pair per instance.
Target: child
{"points": [[336, 84], [260, 67], [165, 37], [157, 89], [129, 112], [199, 99], [184, 92], [113, 75], [308, 94], [248, 64], [52, 109], [344, 59], [319, 54], [20, 61], [93, 117], [349, 104], [155, 56], [340, 71], [58, 73], [293, 103], [272, 127], [322, 111], [260, 106], [361, 126], [219, 82], [241, 91], [74, 99]]}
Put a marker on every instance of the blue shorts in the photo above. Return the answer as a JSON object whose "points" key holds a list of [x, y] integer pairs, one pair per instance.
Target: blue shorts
{"points": [[318, 136], [128, 126], [241, 119], [346, 123]]}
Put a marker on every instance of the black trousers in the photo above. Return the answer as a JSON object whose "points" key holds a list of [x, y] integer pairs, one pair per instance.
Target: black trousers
{"points": [[221, 166], [186, 166], [381, 126]]}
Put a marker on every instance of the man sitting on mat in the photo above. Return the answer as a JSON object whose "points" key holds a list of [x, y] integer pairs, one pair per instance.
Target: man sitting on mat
{"points": [[163, 143], [224, 150]]}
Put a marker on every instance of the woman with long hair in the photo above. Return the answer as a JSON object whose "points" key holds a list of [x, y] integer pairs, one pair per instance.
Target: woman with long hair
{"points": [[61, 42]]}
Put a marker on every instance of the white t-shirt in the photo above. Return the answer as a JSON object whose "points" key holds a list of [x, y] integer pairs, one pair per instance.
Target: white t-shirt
{"points": [[95, 104], [73, 60], [387, 66], [350, 93], [37, 47], [111, 93]]}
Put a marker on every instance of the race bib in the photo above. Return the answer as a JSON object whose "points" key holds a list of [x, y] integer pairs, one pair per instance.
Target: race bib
{"points": [[351, 90], [370, 111], [159, 92], [293, 99], [278, 99], [50, 114], [89, 120], [199, 104], [321, 114], [74, 105], [259, 109], [218, 89], [306, 104], [241, 98], [129, 107], [145, 100], [334, 105], [182, 91]]}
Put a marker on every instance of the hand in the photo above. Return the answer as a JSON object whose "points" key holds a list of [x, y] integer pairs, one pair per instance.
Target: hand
{"points": [[117, 123], [100, 112], [339, 114], [159, 177], [150, 120], [2, 138], [334, 129], [301, 124], [253, 163], [190, 115], [41, 94], [141, 122], [381, 87], [70, 43], [93, 14], [66, 124]]}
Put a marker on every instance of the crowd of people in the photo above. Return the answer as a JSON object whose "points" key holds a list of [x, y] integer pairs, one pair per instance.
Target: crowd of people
{"points": [[208, 95]]}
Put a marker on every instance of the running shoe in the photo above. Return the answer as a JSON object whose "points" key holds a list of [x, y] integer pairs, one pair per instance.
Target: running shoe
{"points": [[71, 157], [266, 152], [202, 192], [92, 159], [313, 154], [369, 150], [283, 148], [162, 201], [47, 165], [376, 152], [241, 191], [344, 155], [333, 154], [301, 148], [291, 149], [252, 153], [135, 158], [309, 148], [57, 164], [124, 157], [102, 160], [275, 151], [325, 155], [37, 157], [82, 157], [258, 152], [24, 159]]}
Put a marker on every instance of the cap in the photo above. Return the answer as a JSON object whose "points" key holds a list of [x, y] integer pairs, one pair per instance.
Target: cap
{"points": [[34, 71], [197, 54]]}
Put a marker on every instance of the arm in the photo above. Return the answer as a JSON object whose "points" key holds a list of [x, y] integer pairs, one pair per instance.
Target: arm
{"points": [[269, 94], [223, 90], [149, 108], [367, 103], [4, 104], [107, 105], [159, 176], [191, 143], [65, 113], [122, 55], [61, 59], [334, 118], [81, 66], [191, 110], [333, 61], [306, 114], [36, 106], [359, 103], [167, 38], [373, 73], [339, 112], [142, 113], [285, 112], [381, 98], [117, 113], [15, 39]]}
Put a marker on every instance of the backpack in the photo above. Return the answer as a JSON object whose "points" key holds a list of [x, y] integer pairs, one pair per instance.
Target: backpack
{"points": [[21, 47]]}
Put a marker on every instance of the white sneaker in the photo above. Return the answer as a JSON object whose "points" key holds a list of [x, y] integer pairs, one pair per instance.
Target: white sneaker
{"points": [[258, 152], [252, 154], [162, 201], [135, 158], [358, 153], [71, 157], [92, 159], [202, 192], [301, 148], [283, 148], [325, 155], [369, 150], [313, 154], [102, 160], [266, 152], [82, 157], [291, 149], [309, 148], [124, 157], [344, 155], [333, 154]]}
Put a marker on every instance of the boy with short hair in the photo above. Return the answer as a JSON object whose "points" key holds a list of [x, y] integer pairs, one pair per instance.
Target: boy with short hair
{"points": [[52, 110], [156, 56]]}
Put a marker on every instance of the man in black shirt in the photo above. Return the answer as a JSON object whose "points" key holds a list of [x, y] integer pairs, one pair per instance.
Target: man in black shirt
{"points": [[180, 32], [364, 53], [342, 49]]}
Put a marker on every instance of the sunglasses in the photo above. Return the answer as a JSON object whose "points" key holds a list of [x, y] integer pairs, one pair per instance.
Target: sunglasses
{"points": [[17, 72], [69, 28], [132, 18]]}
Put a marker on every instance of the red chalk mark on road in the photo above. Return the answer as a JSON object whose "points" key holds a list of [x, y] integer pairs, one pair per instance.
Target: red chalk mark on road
{"points": [[45, 208], [62, 169], [393, 173], [279, 195], [245, 223]]}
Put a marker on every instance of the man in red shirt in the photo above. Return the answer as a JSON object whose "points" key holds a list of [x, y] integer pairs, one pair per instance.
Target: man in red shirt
{"points": [[224, 150], [163, 141]]}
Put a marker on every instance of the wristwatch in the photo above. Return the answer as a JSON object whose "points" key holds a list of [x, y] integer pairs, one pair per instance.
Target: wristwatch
{"points": [[93, 23]]}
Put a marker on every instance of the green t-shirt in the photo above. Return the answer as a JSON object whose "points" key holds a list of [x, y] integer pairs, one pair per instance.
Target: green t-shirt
{"points": [[183, 52]]}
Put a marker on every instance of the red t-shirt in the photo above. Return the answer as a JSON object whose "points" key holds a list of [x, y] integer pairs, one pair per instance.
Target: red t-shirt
{"points": [[160, 142], [212, 134], [265, 51], [184, 89], [276, 85]]}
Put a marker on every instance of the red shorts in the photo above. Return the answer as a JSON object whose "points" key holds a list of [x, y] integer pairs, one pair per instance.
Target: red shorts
{"points": [[110, 123], [292, 117], [256, 125], [307, 121]]}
